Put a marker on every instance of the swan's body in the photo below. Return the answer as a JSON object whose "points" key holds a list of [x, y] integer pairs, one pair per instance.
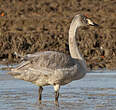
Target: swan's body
{"points": [[54, 68], [49, 68]]}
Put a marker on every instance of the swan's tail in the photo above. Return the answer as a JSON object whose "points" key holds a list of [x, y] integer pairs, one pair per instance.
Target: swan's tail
{"points": [[14, 72]]}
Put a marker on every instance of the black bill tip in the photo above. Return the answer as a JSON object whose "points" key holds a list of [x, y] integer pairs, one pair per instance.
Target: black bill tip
{"points": [[94, 24]]}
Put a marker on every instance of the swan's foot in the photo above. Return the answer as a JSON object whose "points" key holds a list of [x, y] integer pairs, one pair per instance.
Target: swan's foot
{"points": [[56, 97], [56, 88], [40, 94]]}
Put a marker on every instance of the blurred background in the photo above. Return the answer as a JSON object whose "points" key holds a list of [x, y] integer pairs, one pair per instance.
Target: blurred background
{"points": [[28, 26]]}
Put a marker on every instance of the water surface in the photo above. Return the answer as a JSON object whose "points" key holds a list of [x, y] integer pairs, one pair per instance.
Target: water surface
{"points": [[96, 91]]}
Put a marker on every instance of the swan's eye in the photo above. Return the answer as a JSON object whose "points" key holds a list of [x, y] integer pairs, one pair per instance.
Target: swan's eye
{"points": [[84, 19]]}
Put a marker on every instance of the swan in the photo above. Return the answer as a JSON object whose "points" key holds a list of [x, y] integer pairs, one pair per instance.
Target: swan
{"points": [[55, 68]]}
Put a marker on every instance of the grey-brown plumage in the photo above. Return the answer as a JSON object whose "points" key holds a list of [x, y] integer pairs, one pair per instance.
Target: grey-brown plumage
{"points": [[49, 68], [55, 68]]}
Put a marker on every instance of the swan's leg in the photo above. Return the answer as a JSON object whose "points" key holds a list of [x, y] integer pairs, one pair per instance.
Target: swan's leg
{"points": [[56, 89], [40, 93]]}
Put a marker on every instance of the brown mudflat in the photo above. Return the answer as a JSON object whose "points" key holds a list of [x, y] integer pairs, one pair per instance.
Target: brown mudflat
{"points": [[28, 26]]}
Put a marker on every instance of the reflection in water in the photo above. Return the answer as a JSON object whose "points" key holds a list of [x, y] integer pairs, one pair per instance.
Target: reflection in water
{"points": [[94, 92]]}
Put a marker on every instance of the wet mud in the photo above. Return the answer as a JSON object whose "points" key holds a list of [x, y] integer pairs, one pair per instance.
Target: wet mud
{"points": [[28, 26]]}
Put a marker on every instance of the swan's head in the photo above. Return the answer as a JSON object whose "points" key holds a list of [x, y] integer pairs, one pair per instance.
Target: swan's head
{"points": [[82, 20]]}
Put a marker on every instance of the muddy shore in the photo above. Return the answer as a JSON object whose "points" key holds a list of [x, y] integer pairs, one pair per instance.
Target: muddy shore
{"points": [[28, 26]]}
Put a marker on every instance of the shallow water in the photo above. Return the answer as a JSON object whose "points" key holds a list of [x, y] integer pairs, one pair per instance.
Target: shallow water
{"points": [[96, 91]]}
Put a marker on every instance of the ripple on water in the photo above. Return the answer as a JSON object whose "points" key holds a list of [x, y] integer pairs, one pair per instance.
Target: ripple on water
{"points": [[93, 92]]}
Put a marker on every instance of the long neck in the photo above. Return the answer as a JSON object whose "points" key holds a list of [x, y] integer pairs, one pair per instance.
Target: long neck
{"points": [[74, 51]]}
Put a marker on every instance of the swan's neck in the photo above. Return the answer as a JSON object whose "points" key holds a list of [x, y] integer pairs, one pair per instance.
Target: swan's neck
{"points": [[74, 51]]}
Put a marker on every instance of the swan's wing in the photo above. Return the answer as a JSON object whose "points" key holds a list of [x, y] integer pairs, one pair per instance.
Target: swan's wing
{"points": [[50, 59]]}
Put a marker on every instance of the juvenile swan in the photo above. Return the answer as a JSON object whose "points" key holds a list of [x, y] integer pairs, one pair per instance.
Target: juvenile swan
{"points": [[55, 68]]}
